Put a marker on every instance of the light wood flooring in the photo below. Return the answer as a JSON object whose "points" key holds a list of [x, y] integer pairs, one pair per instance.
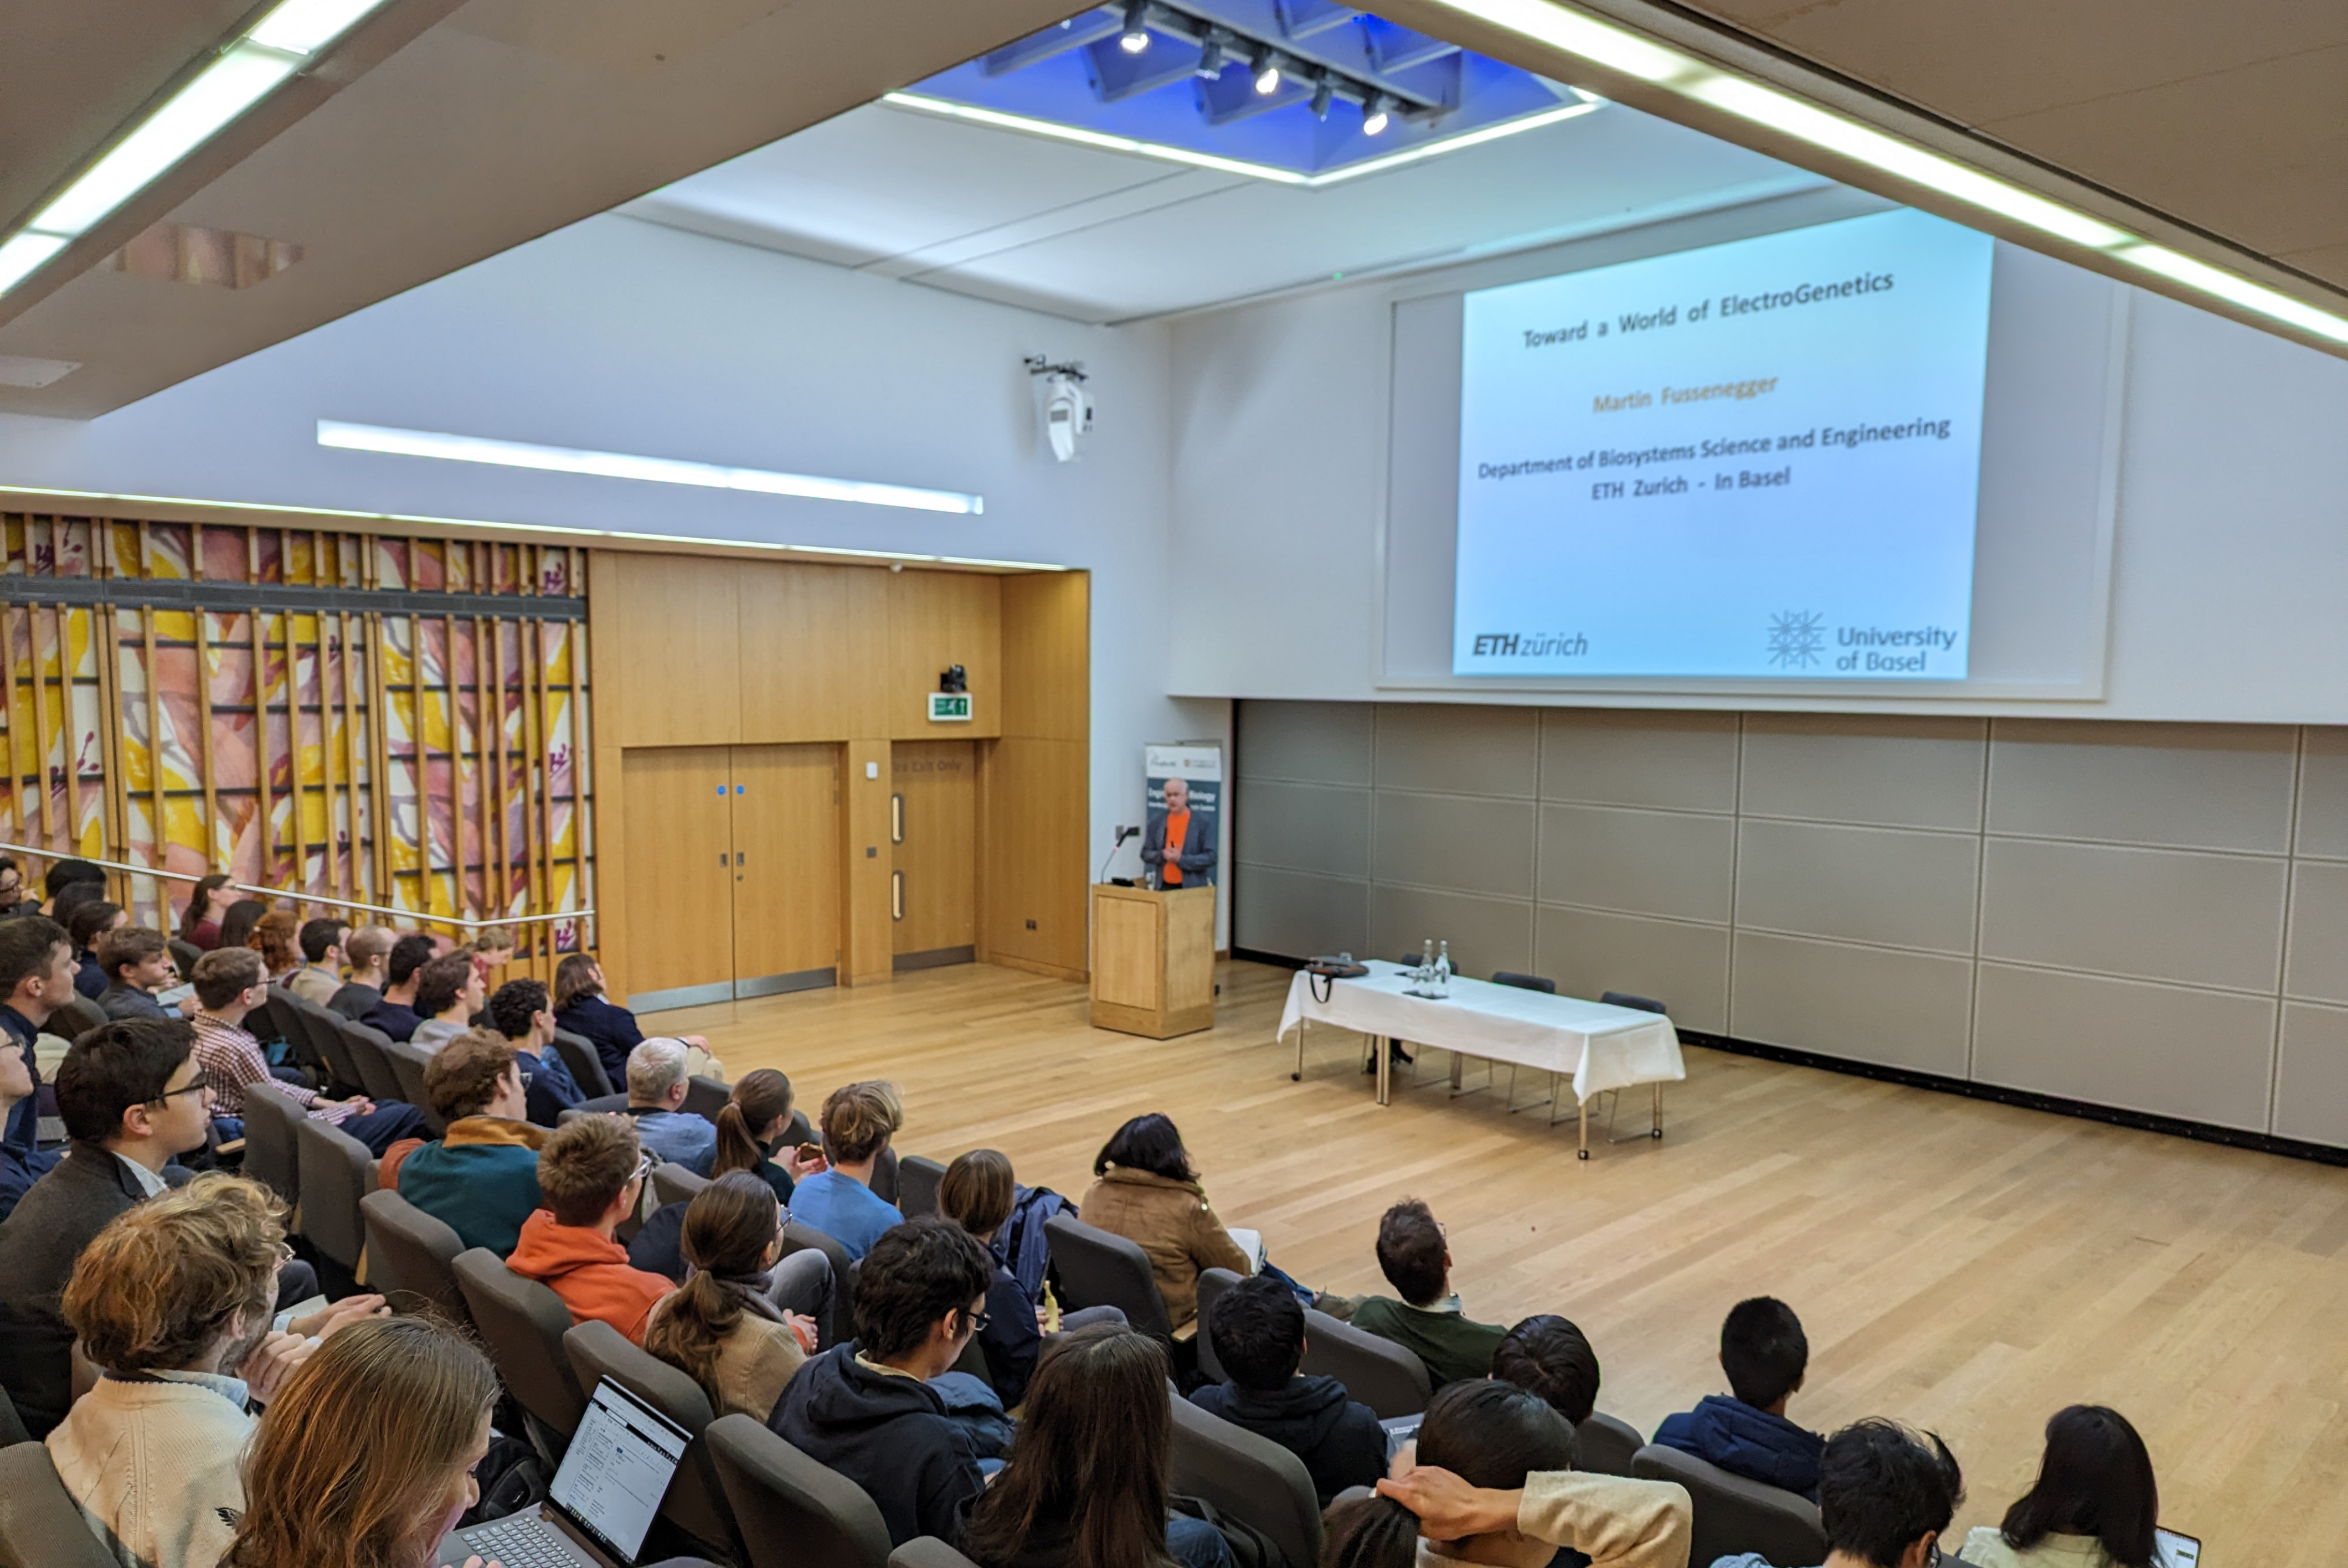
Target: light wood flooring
{"points": [[1967, 1267]]}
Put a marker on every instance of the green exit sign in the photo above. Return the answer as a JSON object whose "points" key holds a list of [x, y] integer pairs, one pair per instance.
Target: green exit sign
{"points": [[949, 707]]}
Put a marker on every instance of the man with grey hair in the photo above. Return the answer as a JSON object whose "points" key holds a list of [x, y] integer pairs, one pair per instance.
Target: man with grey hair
{"points": [[656, 1087]]}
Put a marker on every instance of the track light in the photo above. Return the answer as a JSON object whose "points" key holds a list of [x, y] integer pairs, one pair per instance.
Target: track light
{"points": [[1373, 115], [1136, 38], [1267, 75], [1211, 55], [1323, 92]]}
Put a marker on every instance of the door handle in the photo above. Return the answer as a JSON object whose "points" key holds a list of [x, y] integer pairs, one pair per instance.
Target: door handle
{"points": [[738, 857], [896, 819], [896, 895]]}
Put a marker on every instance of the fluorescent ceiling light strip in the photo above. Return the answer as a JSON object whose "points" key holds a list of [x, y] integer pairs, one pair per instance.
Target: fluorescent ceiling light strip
{"points": [[306, 26], [2242, 291], [626, 466], [22, 254], [1455, 144]]}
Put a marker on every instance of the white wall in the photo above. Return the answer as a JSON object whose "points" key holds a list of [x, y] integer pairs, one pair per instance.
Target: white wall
{"points": [[625, 336], [2231, 540]]}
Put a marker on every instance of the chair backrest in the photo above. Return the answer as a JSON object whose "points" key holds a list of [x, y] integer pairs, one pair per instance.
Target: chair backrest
{"points": [[695, 1502], [928, 1551], [271, 1156], [336, 1173], [1376, 1372], [796, 1235], [185, 955], [1733, 1514], [324, 1031], [408, 1062], [673, 1183], [39, 1525], [370, 1050], [917, 1185], [74, 1017], [705, 1097], [522, 1324], [1098, 1268], [278, 1019], [794, 1512], [884, 1175], [579, 1054], [412, 1256], [597, 1106], [1523, 982], [1607, 1445], [1625, 999], [12, 1425], [1251, 1478]]}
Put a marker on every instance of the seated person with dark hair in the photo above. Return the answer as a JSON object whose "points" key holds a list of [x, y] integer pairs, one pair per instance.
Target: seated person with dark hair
{"points": [[1766, 1355], [1416, 1257], [1257, 1329], [88, 923], [581, 1008], [37, 977], [521, 1012], [1886, 1494], [481, 1176], [394, 1012], [367, 951], [12, 889], [19, 1168], [321, 974], [657, 1085], [230, 983], [591, 1175], [866, 1409], [61, 878], [448, 993], [1549, 1356], [136, 964]]}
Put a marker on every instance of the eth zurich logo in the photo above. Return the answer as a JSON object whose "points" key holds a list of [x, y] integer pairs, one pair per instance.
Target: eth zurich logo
{"points": [[1797, 639]]}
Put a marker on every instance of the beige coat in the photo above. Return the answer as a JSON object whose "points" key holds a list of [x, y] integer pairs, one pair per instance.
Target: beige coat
{"points": [[1174, 1224], [152, 1466], [753, 1364], [1613, 1521]]}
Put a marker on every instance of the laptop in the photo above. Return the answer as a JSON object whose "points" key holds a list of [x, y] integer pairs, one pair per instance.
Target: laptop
{"points": [[604, 1496]]}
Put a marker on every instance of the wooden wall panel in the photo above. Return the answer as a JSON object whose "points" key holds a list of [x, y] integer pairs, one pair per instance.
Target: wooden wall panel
{"points": [[1035, 801], [1047, 655], [938, 782], [670, 636], [867, 956], [815, 649], [938, 619], [678, 827], [787, 810]]}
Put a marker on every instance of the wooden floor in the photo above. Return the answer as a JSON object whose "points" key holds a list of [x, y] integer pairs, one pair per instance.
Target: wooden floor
{"points": [[1964, 1265]]}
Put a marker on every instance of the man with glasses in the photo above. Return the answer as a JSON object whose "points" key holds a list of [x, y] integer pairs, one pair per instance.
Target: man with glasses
{"points": [[12, 889], [591, 1175]]}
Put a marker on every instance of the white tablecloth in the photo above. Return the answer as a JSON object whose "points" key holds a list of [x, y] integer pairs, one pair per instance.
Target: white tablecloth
{"points": [[1602, 1047]]}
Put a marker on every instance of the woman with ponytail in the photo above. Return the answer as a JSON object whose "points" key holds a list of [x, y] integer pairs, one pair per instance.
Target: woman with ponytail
{"points": [[757, 1116], [722, 1330]]}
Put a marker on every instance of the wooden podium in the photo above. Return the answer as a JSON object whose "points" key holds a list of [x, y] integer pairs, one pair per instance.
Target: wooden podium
{"points": [[1153, 961]]}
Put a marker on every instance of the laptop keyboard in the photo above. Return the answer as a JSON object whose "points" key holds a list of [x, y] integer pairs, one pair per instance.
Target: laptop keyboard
{"points": [[523, 1543]]}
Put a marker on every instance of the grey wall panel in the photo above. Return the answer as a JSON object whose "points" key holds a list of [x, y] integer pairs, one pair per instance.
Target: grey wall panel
{"points": [[1302, 827], [1640, 862], [2323, 793], [1893, 772], [1864, 883], [1450, 746], [1684, 762], [2196, 786], [1454, 841], [2311, 1098], [2166, 1050], [1686, 968], [2163, 915], [1298, 915], [1897, 1009], [1484, 934], [1325, 742], [2317, 964]]}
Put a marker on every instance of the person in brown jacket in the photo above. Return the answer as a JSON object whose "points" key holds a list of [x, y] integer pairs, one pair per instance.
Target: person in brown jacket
{"points": [[1148, 1193]]}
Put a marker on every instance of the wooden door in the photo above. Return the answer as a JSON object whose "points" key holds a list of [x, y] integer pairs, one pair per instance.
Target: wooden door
{"points": [[680, 889], [935, 895], [786, 872]]}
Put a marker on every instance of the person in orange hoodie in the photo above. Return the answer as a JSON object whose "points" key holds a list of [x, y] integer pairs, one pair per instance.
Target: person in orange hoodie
{"points": [[592, 1173]]}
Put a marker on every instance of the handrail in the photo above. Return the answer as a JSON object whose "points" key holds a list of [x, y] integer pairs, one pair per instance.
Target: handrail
{"points": [[297, 894]]}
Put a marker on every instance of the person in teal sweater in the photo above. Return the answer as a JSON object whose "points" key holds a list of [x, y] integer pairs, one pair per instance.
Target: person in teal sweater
{"points": [[480, 1177]]}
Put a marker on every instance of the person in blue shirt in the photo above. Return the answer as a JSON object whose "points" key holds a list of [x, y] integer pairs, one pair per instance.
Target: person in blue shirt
{"points": [[656, 1089], [522, 1014], [19, 1168], [859, 1119], [1766, 1355]]}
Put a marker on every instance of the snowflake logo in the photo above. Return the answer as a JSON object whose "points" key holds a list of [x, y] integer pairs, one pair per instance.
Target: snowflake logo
{"points": [[1796, 638]]}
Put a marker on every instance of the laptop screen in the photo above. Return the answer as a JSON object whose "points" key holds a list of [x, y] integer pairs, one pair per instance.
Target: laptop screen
{"points": [[617, 1469]]}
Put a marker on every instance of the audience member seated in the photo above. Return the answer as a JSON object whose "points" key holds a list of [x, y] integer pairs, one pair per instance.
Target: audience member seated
{"points": [[366, 1458], [87, 927], [19, 1168], [71, 900], [521, 1012], [581, 1008], [229, 985], [367, 952], [136, 964], [1424, 1315], [277, 937], [492, 950], [12, 889], [209, 903], [481, 1176], [751, 1126], [591, 1175], [394, 1012], [61, 878], [1886, 1493], [657, 1086], [321, 974], [37, 977], [859, 1119], [448, 993], [1549, 1356], [1086, 1481], [1494, 1483], [977, 1192], [722, 1328], [866, 1409], [1764, 1355], [171, 1302], [1257, 1328], [2095, 1504], [236, 926], [1146, 1191]]}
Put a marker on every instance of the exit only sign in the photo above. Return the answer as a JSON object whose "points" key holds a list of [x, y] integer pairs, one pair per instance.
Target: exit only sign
{"points": [[949, 707]]}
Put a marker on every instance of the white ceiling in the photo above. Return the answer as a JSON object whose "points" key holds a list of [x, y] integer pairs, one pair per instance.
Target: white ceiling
{"points": [[1102, 236]]}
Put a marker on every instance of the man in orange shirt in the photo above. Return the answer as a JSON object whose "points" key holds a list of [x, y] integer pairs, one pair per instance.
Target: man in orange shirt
{"points": [[1190, 863], [592, 1173]]}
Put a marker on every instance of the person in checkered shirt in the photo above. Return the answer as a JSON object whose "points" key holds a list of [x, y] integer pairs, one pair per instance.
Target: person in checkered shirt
{"points": [[230, 983]]}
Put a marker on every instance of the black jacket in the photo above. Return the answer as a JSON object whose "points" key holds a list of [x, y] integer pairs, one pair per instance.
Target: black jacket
{"points": [[609, 1027], [1340, 1441], [889, 1435], [355, 1000], [1012, 1340]]}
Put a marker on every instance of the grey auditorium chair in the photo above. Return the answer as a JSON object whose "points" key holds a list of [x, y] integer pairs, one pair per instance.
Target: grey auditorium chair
{"points": [[928, 1551], [280, 1018], [1098, 1268], [1386, 1376], [74, 1017], [673, 1183], [185, 955], [794, 1512], [369, 1049], [412, 1257], [521, 1324], [1607, 1445], [1523, 982], [602, 1103], [579, 1054], [39, 1525], [1733, 1514], [324, 1031], [705, 1097], [884, 1175], [917, 1185], [407, 1063], [338, 1172], [1251, 1478], [271, 1155], [798, 1234], [695, 1502]]}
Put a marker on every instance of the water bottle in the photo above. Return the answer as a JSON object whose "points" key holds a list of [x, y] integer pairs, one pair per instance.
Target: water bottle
{"points": [[1442, 972], [1424, 976]]}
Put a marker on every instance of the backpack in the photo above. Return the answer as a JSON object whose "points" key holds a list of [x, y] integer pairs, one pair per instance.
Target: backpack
{"points": [[511, 1477], [1250, 1547], [1021, 1244]]}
